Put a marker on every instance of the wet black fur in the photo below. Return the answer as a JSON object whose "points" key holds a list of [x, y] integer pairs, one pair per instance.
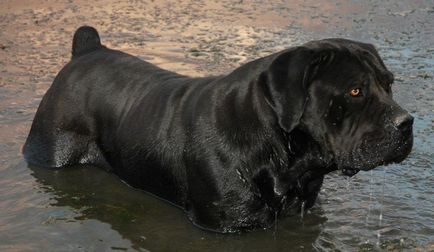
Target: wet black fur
{"points": [[231, 150]]}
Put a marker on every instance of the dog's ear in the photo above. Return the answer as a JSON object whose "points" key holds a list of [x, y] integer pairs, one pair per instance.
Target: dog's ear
{"points": [[285, 82]]}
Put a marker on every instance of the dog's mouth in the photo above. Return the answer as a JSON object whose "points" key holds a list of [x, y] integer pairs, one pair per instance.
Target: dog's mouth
{"points": [[368, 158]]}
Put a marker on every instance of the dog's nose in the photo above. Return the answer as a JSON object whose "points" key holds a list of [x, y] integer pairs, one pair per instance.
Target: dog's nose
{"points": [[403, 122]]}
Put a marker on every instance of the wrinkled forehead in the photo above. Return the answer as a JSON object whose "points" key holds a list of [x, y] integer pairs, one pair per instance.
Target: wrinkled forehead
{"points": [[343, 71], [371, 60], [355, 61]]}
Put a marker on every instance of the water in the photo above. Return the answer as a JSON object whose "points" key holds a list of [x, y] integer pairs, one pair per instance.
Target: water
{"points": [[302, 210], [87, 209], [380, 217]]}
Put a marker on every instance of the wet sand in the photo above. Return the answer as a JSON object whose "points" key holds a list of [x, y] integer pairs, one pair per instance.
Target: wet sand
{"points": [[40, 210]]}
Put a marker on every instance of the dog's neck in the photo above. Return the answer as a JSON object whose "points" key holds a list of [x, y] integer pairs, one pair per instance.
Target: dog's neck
{"points": [[276, 159]]}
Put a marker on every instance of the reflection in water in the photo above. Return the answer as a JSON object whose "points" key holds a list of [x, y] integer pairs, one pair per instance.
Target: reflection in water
{"points": [[84, 208], [150, 223]]}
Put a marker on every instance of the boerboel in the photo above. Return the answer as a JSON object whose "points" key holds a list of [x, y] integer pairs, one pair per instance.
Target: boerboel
{"points": [[231, 150]]}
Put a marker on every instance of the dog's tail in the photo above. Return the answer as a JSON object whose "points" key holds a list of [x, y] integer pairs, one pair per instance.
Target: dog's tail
{"points": [[86, 40]]}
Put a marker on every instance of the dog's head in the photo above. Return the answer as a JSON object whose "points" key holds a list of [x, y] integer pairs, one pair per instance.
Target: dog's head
{"points": [[339, 92]]}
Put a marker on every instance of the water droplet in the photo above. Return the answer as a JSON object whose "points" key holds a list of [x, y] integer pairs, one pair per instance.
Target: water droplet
{"points": [[302, 209], [275, 224], [371, 193], [378, 238], [289, 148], [380, 217]]}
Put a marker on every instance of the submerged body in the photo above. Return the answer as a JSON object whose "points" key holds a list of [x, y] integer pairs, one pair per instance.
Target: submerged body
{"points": [[235, 150]]}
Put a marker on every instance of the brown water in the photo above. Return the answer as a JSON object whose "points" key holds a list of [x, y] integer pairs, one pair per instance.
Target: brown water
{"points": [[87, 209]]}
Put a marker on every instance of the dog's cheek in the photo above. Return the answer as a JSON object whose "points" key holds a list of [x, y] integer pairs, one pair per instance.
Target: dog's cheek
{"points": [[336, 113]]}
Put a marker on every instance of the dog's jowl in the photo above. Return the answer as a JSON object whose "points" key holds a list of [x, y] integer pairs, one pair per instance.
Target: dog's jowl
{"points": [[231, 150]]}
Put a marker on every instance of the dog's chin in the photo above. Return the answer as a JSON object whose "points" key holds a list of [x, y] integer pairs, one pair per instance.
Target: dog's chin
{"points": [[402, 151], [373, 163], [349, 171], [399, 153], [365, 161]]}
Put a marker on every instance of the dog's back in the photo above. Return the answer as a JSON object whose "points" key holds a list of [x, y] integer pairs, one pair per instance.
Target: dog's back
{"points": [[111, 109]]}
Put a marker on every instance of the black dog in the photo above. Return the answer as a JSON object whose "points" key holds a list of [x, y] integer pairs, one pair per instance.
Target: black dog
{"points": [[231, 150]]}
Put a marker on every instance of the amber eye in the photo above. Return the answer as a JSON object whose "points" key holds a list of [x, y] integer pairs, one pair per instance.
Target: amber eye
{"points": [[356, 92]]}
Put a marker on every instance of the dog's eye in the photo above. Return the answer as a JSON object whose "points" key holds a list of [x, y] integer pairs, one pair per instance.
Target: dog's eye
{"points": [[356, 92]]}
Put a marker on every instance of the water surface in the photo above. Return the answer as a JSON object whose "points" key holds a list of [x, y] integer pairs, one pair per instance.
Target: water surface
{"points": [[87, 209]]}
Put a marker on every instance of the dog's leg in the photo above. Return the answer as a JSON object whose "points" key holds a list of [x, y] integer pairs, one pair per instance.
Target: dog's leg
{"points": [[62, 139], [59, 148]]}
